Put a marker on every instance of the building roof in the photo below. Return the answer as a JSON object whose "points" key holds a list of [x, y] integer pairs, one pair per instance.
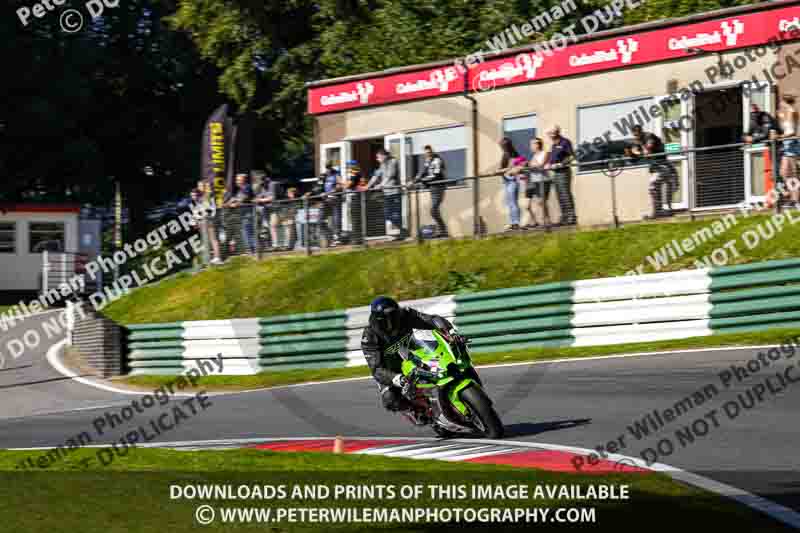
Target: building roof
{"points": [[615, 32]]}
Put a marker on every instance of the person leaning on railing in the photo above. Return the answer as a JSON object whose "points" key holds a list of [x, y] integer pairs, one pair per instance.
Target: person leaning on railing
{"points": [[662, 172], [387, 179], [559, 161], [431, 175], [242, 201], [204, 212], [763, 128], [537, 184], [352, 185], [510, 167], [332, 187], [265, 197]]}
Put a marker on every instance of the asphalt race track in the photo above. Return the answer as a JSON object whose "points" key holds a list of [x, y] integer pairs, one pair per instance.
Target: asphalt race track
{"points": [[577, 403]]}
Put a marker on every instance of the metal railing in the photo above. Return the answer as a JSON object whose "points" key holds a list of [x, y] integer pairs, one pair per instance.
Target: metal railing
{"points": [[689, 180], [64, 273]]}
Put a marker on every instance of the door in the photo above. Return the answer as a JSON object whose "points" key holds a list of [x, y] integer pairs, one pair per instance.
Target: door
{"points": [[758, 164], [672, 127], [338, 155], [719, 167], [399, 145]]}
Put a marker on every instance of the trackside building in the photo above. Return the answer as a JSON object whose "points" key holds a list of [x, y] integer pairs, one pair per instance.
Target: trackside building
{"points": [[692, 81]]}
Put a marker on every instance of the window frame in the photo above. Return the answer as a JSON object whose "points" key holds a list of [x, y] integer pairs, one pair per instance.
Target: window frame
{"points": [[528, 114], [648, 100], [31, 231], [14, 239]]}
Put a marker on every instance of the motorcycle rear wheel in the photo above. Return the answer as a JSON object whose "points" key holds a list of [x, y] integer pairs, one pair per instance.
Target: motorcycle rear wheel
{"points": [[481, 407]]}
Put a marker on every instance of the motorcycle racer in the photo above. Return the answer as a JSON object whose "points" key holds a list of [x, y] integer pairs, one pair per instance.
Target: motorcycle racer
{"points": [[389, 326]]}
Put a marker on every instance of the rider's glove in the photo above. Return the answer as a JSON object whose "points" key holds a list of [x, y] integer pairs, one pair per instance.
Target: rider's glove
{"points": [[406, 387]]}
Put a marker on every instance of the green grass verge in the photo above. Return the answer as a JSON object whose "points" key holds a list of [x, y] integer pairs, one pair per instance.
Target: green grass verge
{"points": [[272, 379], [132, 493], [247, 288]]}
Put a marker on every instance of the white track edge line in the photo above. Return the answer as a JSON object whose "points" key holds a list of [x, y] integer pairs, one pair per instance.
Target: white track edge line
{"points": [[58, 365]]}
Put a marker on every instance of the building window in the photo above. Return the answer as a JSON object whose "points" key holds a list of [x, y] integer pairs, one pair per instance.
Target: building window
{"points": [[605, 130], [8, 237], [450, 143], [521, 130], [46, 236]]}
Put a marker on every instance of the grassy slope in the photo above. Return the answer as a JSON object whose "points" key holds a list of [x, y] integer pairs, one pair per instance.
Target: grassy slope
{"points": [[272, 379], [246, 288], [132, 494]]}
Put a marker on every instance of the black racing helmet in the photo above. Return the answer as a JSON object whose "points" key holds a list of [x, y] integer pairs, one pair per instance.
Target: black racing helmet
{"points": [[385, 315]]}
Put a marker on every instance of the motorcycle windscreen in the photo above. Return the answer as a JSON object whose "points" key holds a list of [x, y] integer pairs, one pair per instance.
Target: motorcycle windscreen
{"points": [[423, 341]]}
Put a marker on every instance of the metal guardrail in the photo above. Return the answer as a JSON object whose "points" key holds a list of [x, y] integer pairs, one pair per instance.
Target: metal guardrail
{"points": [[66, 268]]}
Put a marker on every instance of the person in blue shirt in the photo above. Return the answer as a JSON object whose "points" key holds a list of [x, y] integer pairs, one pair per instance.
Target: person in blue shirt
{"points": [[332, 189]]}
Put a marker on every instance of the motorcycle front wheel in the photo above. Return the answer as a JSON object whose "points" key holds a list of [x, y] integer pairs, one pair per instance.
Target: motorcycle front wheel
{"points": [[486, 419]]}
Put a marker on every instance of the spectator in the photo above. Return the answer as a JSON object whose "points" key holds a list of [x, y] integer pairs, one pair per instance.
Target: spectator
{"points": [[511, 183], [432, 175], [241, 201], [387, 179], [509, 154], [266, 198], [332, 188], [205, 212], [763, 128], [537, 188], [288, 219], [353, 199], [662, 172], [788, 119], [558, 161]]}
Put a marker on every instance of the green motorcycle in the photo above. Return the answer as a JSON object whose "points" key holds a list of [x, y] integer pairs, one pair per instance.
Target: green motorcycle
{"points": [[447, 392]]}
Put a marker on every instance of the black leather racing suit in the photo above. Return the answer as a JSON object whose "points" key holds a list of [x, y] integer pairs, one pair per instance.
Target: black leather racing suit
{"points": [[381, 352]]}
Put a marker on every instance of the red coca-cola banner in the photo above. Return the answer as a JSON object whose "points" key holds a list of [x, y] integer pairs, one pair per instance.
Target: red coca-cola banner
{"points": [[741, 31]]}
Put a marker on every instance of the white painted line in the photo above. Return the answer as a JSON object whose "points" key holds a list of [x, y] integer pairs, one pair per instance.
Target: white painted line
{"points": [[383, 450], [418, 452], [626, 355], [497, 450], [55, 362], [455, 454]]}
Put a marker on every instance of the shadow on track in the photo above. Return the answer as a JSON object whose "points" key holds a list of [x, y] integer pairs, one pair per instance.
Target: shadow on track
{"points": [[527, 429]]}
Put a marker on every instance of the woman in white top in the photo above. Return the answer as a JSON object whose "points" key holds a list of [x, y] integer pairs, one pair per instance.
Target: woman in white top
{"points": [[537, 187]]}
